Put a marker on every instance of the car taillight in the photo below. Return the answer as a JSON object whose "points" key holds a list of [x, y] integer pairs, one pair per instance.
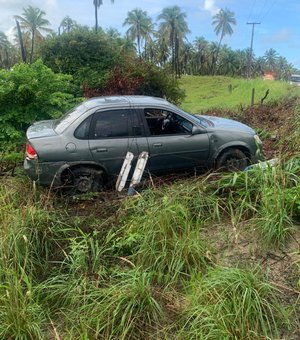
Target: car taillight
{"points": [[30, 151]]}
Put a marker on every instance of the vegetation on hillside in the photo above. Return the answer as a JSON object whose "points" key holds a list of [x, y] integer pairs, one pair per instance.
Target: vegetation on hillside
{"points": [[227, 93]]}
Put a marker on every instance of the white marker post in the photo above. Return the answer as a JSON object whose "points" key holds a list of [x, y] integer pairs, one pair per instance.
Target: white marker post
{"points": [[138, 172], [123, 175]]}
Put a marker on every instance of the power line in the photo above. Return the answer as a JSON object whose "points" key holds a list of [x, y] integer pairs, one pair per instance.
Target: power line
{"points": [[269, 9], [251, 10], [251, 47], [262, 9]]}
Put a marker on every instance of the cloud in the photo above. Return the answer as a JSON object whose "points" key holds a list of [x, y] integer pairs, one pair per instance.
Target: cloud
{"points": [[10, 33], [210, 6], [51, 3], [282, 36]]}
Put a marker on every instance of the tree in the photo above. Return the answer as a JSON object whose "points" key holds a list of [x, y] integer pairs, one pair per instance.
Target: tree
{"points": [[201, 54], [186, 58], [271, 57], [174, 27], [229, 62], [33, 20], [97, 4], [163, 49], [222, 22], [140, 27], [86, 55], [5, 51], [67, 24]]}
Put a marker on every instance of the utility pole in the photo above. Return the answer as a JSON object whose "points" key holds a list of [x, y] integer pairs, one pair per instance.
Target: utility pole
{"points": [[251, 47]]}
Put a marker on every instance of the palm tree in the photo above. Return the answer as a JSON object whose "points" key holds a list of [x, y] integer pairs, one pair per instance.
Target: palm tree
{"points": [[223, 22], [271, 57], [258, 65], [174, 27], [140, 26], [186, 58], [97, 4], [229, 62], [67, 24], [5, 48], [163, 49], [200, 45], [113, 33], [33, 20]]}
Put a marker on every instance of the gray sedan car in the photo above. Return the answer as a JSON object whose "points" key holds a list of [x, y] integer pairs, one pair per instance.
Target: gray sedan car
{"points": [[86, 147]]}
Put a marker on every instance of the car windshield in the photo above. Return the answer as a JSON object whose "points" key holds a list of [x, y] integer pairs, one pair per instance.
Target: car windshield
{"points": [[63, 122], [202, 121], [196, 119]]}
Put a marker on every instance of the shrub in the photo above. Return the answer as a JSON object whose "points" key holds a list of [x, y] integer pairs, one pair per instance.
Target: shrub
{"points": [[135, 77], [29, 93]]}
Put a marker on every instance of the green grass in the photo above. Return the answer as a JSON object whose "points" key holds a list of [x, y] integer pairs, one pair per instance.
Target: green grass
{"points": [[206, 93], [179, 261], [151, 270], [231, 303]]}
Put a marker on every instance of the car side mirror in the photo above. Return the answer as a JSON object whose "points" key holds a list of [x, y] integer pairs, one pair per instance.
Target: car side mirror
{"points": [[196, 130]]}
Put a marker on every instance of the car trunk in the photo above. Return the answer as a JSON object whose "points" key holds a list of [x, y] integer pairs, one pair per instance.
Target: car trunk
{"points": [[44, 128]]}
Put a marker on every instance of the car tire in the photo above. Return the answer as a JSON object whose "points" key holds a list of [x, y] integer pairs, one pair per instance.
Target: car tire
{"points": [[232, 160], [84, 179]]}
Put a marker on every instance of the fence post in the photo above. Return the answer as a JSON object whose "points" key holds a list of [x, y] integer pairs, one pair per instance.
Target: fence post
{"points": [[252, 98]]}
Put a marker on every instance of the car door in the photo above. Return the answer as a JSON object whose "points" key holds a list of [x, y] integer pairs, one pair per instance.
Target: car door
{"points": [[177, 148], [112, 135]]}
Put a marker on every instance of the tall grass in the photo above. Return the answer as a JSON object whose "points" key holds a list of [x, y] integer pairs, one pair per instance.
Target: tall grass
{"points": [[231, 303], [82, 277], [270, 197], [166, 232]]}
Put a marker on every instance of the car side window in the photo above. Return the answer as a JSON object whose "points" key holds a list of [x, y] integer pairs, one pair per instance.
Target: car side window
{"points": [[82, 131], [164, 122], [111, 124]]}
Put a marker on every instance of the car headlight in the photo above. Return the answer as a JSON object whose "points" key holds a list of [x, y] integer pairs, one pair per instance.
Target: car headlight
{"points": [[257, 139]]}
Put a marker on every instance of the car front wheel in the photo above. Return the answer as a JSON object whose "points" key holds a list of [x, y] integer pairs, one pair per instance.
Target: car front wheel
{"points": [[232, 160]]}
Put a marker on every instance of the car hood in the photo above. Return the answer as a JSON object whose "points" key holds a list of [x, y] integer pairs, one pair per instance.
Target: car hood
{"points": [[227, 124], [44, 128]]}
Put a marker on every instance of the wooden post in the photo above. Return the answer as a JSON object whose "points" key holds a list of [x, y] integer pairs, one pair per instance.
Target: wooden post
{"points": [[252, 99]]}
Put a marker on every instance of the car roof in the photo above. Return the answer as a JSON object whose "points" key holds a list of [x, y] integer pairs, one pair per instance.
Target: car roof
{"points": [[119, 100]]}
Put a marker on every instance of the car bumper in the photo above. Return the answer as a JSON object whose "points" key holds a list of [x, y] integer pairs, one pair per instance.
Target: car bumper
{"points": [[47, 173]]}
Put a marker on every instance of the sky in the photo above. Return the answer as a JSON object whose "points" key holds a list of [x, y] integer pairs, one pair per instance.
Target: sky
{"points": [[279, 26]]}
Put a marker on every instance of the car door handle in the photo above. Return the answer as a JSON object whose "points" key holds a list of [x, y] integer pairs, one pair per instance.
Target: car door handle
{"points": [[101, 150], [157, 145]]}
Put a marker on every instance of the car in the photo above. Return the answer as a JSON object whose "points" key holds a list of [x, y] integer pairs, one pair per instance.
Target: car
{"points": [[295, 79], [86, 147]]}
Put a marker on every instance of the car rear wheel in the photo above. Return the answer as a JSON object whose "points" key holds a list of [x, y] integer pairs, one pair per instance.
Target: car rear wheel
{"points": [[232, 160], [84, 179]]}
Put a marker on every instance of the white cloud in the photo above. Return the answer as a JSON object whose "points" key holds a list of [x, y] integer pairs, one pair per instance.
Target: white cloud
{"points": [[282, 36], [10, 33], [210, 5], [51, 3]]}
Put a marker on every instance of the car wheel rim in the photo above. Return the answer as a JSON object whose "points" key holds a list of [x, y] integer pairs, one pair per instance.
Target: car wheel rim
{"points": [[234, 164], [83, 184]]}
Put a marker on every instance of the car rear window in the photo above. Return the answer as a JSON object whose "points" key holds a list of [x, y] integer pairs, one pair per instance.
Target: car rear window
{"points": [[62, 123]]}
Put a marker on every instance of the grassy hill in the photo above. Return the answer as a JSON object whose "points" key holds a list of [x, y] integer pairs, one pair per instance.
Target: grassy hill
{"points": [[204, 93]]}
